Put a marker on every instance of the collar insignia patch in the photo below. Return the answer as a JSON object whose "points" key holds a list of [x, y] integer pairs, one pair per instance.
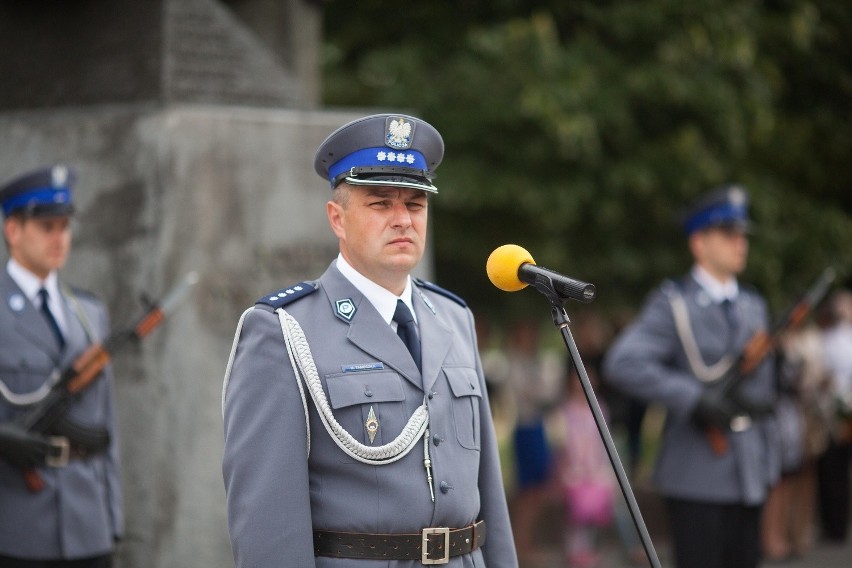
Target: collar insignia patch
{"points": [[17, 302], [345, 309]]}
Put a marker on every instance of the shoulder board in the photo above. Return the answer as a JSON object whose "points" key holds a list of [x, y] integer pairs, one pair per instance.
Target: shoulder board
{"points": [[748, 288], [438, 290], [287, 295], [670, 287], [79, 293], [674, 286]]}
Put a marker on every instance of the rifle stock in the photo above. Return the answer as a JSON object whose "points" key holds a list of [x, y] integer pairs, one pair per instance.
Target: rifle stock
{"points": [[87, 367], [762, 344], [717, 439]]}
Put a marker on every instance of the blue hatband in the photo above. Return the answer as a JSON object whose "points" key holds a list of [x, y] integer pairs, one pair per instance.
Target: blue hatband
{"points": [[379, 156], [718, 215], [37, 196]]}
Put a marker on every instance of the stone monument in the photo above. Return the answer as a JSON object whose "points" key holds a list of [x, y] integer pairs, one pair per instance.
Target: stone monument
{"points": [[191, 125]]}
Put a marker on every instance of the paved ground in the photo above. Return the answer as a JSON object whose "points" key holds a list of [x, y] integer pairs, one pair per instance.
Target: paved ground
{"points": [[549, 543], [822, 556]]}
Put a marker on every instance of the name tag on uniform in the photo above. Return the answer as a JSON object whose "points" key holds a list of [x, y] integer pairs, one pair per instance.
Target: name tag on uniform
{"points": [[355, 367]]}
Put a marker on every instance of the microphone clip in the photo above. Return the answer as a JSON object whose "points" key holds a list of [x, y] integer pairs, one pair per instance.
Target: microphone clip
{"points": [[557, 287]]}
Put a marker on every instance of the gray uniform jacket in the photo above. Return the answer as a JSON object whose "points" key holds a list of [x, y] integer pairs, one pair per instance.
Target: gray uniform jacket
{"points": [[277, 495], [78, 514], [648, 361]]}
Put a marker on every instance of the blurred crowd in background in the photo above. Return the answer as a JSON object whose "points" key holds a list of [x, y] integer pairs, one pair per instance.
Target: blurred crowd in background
{"points": [[554, 459]]}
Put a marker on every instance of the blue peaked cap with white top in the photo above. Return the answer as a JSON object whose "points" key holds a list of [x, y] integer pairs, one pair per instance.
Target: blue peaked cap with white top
{"points": [[40, 193], [382, 149], [726, 206]]}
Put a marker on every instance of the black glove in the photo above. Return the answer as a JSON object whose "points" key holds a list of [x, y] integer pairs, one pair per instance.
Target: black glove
{"points": [[714, 409], [751, 408], [21, 448]]}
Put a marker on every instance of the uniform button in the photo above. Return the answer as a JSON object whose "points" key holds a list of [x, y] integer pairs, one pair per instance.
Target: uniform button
{"points": [[436, 439], [445, 487], [472, 387], [368, 393], [431, 395]]}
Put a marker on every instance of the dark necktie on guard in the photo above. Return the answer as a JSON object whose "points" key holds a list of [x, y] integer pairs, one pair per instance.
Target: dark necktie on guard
{"points": [[406, 329], [730, 310], [51, 321]]}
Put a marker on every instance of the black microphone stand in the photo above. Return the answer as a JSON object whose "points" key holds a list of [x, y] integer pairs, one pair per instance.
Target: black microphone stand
{"points": [[560, 320]]}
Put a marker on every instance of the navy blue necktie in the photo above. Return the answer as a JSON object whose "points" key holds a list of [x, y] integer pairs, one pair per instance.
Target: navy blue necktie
{"points": [[406, 329], [51, 321], [730, 310]]}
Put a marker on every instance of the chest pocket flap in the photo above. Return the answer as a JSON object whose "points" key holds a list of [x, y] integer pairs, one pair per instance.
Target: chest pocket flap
{"points": [[348, 389], [463, 381]]}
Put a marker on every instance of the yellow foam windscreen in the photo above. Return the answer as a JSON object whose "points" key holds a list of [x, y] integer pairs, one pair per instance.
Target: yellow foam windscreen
{"points": [[503, 264]]}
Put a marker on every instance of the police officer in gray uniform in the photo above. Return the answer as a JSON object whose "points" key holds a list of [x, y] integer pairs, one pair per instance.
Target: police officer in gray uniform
{"points": [[75, 516], [357, 426], [686, 336]]}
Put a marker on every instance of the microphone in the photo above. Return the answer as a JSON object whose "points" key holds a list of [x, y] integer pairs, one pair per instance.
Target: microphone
{"points": [[512, 268]]}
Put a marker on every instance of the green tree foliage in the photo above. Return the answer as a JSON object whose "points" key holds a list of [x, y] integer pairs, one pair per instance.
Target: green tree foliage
{"points": [[579, 129]]}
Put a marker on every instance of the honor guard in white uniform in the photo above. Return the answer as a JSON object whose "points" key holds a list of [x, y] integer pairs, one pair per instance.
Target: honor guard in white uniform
{"points": [[357, 427], [74, 516], [688, 334]]}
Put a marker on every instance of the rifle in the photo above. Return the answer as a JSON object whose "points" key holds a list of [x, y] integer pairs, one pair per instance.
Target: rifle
{"points": [[48, 411], [758, 347]]}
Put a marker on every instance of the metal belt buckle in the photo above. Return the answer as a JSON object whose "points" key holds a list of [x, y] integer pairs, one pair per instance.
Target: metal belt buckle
{"points": [[424, 549], [62, 450]]}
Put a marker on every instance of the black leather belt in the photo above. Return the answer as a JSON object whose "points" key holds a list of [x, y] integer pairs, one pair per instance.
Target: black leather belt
{"points": [[61, 450], [429, 546], [69, 440]]}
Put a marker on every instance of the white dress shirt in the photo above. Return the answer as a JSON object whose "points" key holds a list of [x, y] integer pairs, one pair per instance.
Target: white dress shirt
{"points": [[382, 299], [30, 284]]}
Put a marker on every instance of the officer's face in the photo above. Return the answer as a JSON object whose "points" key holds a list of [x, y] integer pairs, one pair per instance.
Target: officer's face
{"points": [[39, 244], [382, 231], [722, 251]]}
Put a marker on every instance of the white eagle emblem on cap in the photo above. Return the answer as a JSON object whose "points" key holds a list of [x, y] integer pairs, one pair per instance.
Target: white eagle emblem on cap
{"points": [[737, 196], [58, 176], [399, 134]]}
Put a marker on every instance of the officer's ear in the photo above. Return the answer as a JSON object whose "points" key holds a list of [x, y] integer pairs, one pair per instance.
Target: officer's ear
{"points": [[696, 244], [335, 213], [336, 208], [10, 227]]}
